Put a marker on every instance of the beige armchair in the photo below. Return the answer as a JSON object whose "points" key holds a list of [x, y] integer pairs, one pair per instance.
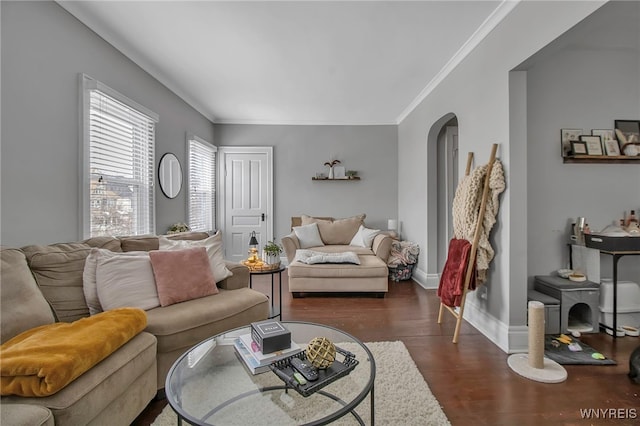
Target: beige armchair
{"points": [[338, 236]]}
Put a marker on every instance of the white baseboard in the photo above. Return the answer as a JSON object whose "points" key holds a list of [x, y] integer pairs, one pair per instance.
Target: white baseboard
{"points": [[428, 281], [511, 339]]}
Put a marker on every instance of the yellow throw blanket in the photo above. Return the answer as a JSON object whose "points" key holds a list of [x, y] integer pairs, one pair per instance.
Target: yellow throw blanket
{"points": [[45, 359]]}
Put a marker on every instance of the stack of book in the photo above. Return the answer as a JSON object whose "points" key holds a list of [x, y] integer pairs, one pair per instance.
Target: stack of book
{"points": [[256, 362]]}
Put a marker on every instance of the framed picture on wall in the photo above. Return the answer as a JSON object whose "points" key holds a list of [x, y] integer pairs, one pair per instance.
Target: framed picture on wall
{"points": [[605, 134], [578, 148], [628, 131], [566, 136], [611, 147], [594, 144]]}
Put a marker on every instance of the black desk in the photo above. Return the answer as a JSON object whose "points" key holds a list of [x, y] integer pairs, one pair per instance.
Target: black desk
{"points": [[274, 313], [616, 257]]}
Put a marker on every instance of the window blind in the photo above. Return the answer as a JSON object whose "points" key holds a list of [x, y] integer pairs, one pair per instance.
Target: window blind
{"points": [[202, 183], [121, 167]]}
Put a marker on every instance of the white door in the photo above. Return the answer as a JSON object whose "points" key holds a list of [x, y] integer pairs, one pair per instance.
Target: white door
{"points": [[246, 198]]}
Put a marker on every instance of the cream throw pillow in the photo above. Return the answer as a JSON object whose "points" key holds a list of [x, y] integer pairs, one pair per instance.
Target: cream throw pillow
{"points": [[308, 235], [213, 244], [89, 285], [364, 237], [126, 280]]}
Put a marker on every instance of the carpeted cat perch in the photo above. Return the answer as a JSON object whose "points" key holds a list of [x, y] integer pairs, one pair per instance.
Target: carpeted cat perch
{"points": [[534, 365]]}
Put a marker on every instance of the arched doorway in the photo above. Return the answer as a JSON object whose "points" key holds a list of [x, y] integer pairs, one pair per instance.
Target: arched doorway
{"points": [[442, 180], [447, 183]]}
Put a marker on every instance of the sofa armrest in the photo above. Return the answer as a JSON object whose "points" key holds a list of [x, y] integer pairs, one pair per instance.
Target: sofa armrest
{"points": [[25, 414], [239, 279], [382, 246], [290, 243]]}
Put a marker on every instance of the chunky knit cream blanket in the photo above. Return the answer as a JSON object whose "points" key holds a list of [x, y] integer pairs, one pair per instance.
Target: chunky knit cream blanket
{"points": [[466, 208]]}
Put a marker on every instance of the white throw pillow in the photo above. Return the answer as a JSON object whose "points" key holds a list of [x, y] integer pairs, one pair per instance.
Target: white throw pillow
{"points": [[311, 257], [308, 235], [364, 237], [126, 280], [213, 244], [89, 285]]}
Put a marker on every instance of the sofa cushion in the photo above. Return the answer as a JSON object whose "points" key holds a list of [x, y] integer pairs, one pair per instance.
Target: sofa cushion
{"points": [[370, 266], [125, 279], [308, 235], [364, 237], [107, 243], [337, 231], [22, 304], [182, 275], [26, 414], [213, 244], [150, 242], [184, 324], [58, 270]]}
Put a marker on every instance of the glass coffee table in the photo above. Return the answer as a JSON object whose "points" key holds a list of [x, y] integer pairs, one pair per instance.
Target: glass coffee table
{"points": [[210, 385]]}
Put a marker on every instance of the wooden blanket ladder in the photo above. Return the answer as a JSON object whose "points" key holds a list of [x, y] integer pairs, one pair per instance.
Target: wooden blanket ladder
{"points": [[474, 244]]}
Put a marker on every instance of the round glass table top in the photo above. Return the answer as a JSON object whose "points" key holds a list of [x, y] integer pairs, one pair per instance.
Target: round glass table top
{"points": [[210, 385]]}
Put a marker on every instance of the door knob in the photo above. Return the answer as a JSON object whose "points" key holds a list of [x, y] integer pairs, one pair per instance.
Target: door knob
{"points": [[262, 217]]}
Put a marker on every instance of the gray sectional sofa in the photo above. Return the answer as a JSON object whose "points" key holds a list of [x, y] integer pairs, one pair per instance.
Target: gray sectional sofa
{"points": [[44, 284]]}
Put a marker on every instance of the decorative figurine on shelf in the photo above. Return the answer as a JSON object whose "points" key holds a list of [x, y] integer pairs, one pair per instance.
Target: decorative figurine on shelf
{"points": [[253, 261], [331, 164], [321, 352]]}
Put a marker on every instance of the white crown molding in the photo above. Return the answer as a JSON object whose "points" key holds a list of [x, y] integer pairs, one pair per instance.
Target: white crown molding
{"points": [[487, 26], [302, 122]]}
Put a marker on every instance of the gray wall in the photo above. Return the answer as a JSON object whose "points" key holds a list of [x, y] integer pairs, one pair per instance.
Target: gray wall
{"points": [[477, 91], [586, 79], [44, 49], [299, 152]]}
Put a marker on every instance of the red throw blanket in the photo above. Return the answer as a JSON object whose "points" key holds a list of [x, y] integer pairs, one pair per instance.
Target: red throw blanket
{"points": [[452, 280]]}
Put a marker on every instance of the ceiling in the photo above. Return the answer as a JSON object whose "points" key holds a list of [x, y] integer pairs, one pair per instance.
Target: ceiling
{"points": [[295, 62]]}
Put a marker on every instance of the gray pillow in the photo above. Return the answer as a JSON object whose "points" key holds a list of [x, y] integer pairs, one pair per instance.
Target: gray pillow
{"points": [[23, 305]]}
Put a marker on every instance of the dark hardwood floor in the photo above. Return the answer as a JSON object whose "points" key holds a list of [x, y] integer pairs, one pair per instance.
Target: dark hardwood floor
{"points": [[471, 379]]}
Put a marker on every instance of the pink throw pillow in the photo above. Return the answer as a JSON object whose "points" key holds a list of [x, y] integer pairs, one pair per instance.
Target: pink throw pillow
{"points": [[182, 275]]}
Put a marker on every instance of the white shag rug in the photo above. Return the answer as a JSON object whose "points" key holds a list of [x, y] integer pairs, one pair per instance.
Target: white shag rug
{"points": [[402, 397]]}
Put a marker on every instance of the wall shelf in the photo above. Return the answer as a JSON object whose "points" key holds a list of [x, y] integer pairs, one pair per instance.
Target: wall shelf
{"points": [[333, 180], [601, 159]]}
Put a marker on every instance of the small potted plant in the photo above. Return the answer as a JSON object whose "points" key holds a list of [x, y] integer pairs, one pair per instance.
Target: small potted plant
{"points": [[272, 252], [178, 227]]}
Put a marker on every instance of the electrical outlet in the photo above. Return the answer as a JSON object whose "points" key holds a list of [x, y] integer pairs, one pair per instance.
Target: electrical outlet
{"points": [[483, 292]]}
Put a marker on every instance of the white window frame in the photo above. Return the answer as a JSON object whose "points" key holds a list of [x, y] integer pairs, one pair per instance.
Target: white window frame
{"points": [[190, 181], [88, 84]]}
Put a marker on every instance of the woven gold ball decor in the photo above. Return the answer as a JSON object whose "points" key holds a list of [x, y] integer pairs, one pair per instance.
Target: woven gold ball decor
{"points": [[321, 352]]}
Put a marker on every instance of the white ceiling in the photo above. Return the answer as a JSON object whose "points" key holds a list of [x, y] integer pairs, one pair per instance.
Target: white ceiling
{"points": [[295, 62]]}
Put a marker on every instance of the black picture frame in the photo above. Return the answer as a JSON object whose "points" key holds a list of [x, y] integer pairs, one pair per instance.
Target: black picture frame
{"points": [[594, 144], [627, 131], [566, 136], [578, 148]]}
